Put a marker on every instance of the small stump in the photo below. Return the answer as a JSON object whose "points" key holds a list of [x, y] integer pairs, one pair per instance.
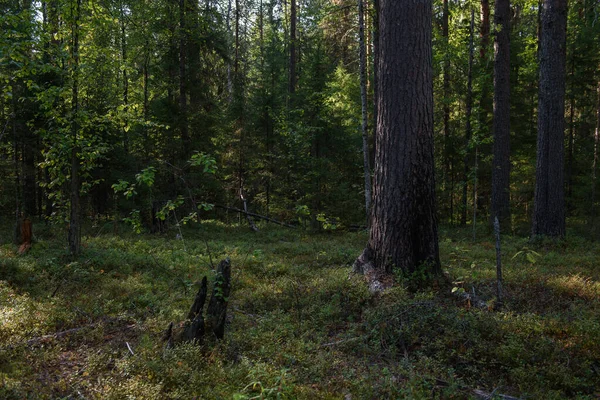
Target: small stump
{"points": [[195, 327]]}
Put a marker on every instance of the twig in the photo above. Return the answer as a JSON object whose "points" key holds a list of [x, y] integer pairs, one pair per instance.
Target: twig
{"points": [[129, 348], [354, 339]]}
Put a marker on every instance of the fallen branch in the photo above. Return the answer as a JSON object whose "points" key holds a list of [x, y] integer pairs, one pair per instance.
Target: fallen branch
{"points": [[58, 335], [478, 393], [255, 215]]}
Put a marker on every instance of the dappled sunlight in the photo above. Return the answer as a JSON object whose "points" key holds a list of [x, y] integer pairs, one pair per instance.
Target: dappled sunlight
{"points": [[576, 285]]}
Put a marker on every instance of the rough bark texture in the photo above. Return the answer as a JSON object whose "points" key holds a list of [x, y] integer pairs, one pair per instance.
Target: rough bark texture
{"points": [[404, 226], [363, 97], [549, 207], [501, 161]]}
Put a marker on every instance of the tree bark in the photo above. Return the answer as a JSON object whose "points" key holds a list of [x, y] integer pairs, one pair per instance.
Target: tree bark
{"points": [[549, 203], [501, 161], [363, 97], [404, 227]]}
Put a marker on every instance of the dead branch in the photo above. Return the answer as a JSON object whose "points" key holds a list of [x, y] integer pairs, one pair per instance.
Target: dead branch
{"points": [[255, 215]]}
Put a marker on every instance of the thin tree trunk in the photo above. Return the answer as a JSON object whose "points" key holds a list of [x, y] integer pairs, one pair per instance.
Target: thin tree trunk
{"points": [[446, 108], [549, 203], [501, 161], [125, 79], [468, 128], [363, 96], [595, 161], [75, 217], [183, 117], [375, 75], [293, 18]]}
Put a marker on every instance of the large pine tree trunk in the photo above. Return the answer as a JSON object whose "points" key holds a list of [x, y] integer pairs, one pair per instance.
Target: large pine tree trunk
{"points": [[501, 161], [549, 206], [404, 226]]}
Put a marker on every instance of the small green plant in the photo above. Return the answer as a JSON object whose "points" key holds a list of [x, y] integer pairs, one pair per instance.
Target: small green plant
{"points": [[530, 255]]}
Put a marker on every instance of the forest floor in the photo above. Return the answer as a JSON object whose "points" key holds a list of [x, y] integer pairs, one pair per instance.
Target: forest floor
{"points": [[299, 325]]}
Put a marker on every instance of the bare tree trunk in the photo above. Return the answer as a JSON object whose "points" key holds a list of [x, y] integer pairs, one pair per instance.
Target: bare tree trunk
{"points": [[375, 74], [293, 18], [363, 97], [501, 161], [446, 110], [549, 203], [75, 217], [125, 78], [183, 117], [404, 225], [595, 161], [468, 129]]}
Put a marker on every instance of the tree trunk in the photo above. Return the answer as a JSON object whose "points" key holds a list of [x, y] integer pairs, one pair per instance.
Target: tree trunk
{"points": [[75, 218], [375, 73], [549, 204], [404, 226], [183, 117], [468, 129], [293, 18], [363, 97], [446, 109], [125, 79], [595, 160], [501, 161]]}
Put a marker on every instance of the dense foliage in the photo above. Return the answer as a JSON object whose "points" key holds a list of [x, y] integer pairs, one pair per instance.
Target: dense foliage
{"points": [[157, 82]]}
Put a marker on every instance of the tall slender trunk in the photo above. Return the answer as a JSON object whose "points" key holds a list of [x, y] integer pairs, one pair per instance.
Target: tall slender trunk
{"points": [[549, 202], [501, 160], [293, 18], [446, 109], [363, 97], [595, 161], [125, 79], [571, 137], [375, 75], [183, 114], [468, 128], [75, 217]]}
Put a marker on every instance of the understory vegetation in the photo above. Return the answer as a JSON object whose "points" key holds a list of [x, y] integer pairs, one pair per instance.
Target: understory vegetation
{"points": [[300, 325]]}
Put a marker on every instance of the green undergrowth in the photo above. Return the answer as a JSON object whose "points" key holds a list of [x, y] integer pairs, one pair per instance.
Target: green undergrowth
{"points": [[299, 325]]}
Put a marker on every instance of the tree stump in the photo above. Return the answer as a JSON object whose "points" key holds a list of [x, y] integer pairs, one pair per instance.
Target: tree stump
{"points": [[195, 327], [25, 235]]}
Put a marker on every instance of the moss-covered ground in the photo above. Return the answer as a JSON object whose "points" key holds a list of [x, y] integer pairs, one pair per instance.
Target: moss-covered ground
{"points": [[299, 325]]}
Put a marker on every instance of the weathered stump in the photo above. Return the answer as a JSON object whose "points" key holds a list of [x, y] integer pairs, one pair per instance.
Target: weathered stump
{"points": [[217, 307], [195, 327]]}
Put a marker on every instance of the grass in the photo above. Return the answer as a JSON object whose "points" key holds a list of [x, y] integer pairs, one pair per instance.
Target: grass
{"points": [[300, 325]]}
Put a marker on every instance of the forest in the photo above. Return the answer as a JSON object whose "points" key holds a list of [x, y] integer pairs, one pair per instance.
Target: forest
{"points": [[358, 199]]}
